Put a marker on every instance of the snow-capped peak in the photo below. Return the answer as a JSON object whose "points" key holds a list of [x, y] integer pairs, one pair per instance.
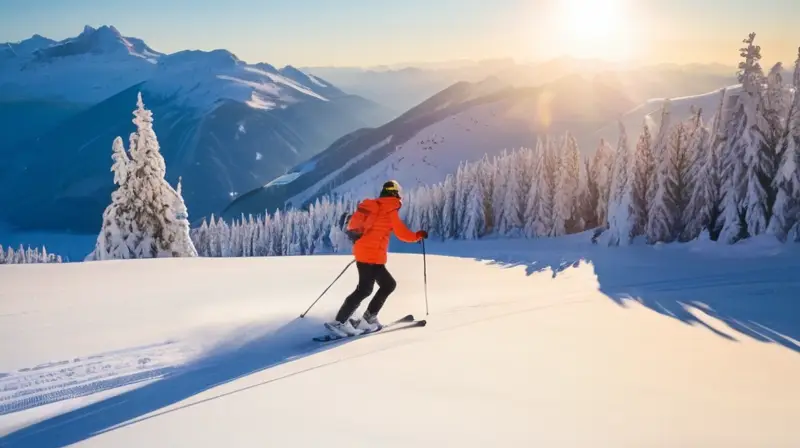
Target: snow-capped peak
{"points": [[26, 47], [87, 68], [202, 78], [106, 40]]}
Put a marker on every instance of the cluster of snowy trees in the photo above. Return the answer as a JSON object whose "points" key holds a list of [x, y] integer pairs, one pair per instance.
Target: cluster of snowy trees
{"points": [[26, 256], [317, 229], [147, 218], [735, 178]]}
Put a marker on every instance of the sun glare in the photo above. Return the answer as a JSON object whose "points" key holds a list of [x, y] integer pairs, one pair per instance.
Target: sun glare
{"points": [[594, 29]]}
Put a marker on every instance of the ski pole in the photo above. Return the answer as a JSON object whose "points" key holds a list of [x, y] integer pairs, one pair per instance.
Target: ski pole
{"points": [[326, 289], [425, 275]]}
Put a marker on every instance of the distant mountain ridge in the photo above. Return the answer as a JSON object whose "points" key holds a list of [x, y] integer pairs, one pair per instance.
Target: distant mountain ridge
{"points": [[224, 125]]}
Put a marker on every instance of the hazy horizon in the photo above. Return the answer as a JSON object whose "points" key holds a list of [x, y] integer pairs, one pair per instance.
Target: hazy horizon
{"points": [[360, 33]]}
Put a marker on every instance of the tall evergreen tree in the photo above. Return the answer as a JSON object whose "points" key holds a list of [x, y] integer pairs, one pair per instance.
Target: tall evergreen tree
{"points": [[621, 219], [658, 225], [786, 210], [601, 171], [566, 216], [117, 234], [743, 146], [644, 179]]}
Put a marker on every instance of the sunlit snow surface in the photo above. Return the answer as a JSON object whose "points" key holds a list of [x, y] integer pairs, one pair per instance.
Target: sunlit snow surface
{"points": [[552, 342]]}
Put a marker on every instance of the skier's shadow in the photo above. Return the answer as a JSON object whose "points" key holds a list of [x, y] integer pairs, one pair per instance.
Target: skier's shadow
{"points": [[220, 365]]}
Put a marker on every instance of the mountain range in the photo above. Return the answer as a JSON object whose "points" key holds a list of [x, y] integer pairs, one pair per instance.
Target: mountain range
{"points": [[403, 86], [246, 138], [224, 126]]}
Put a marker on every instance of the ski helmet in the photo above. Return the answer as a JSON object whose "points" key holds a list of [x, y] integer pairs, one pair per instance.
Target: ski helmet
{"points": [[391, 188]]}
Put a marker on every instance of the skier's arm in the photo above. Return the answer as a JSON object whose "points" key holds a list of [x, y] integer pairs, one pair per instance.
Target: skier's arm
{"points": [[403, 233]]}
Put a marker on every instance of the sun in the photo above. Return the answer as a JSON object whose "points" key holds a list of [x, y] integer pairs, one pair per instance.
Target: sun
{"points": [[594, 29]]}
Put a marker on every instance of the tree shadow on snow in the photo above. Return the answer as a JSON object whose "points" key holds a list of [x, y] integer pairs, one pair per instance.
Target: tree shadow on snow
{"points": [[754, 297], [252, 350]]}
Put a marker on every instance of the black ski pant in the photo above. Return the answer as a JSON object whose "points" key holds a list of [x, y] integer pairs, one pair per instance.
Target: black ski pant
{"points": [[368, 275]]}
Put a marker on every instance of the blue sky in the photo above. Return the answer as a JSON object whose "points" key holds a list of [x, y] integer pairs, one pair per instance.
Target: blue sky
{"points": [[372, 32]]}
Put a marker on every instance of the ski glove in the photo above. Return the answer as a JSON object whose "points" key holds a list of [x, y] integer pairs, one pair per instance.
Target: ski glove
{"points": [[421, 234]]}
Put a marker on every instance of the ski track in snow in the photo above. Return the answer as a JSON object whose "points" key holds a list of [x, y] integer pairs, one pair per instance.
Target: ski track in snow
{"points": [[71, 378]]}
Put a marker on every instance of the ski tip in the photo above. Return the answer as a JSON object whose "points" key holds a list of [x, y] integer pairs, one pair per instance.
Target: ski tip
{"points": [[423, 322]]}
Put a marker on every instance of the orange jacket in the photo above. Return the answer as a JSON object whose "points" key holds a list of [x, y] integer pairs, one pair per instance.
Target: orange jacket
{"points": [[384, 218]]}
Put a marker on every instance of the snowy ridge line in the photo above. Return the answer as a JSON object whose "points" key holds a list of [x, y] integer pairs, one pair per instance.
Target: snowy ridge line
{"points": [[57, 381]]}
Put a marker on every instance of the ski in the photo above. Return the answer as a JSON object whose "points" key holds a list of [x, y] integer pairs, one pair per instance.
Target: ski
{"points": [[408, 319]]}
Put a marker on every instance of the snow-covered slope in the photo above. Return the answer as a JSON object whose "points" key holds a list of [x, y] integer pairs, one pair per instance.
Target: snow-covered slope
{"points": [[529, 343], [461, 123], [88, 68], [202, 79], [681, 108]]}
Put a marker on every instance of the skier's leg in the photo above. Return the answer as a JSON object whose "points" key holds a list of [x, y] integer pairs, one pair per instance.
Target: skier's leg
{"points": [[366, 282], [386, 285]]}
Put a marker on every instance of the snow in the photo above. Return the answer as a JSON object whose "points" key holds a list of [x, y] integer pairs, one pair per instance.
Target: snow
{"points": [[201, 79], [304, 196], [283, 180], [101, 62], [87, 68], [529, 343], [436, 151], [680, 109]]}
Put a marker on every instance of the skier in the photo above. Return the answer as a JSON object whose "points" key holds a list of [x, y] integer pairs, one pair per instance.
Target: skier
{"points": [[370, 227]]}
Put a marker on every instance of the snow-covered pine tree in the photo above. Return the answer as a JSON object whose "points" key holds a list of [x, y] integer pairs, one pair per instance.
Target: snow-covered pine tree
{"points": [[566, 216], [658, 225], [475, 208], [590, 195], [704, 177], [178, 227], [487, 180], [501, 170], [683, 157], [157, 231], [550, 165], [709, 193], [602, 167], [117, 234], [644, 179], [27, 256], [786, 210], [621, 219], [743, 145], [763, 153]]}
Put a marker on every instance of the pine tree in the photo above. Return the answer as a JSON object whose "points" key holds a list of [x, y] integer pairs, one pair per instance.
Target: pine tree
{"points": [[115, 240], [591, 196], [704, 178], [684, 142], [761, 153], [742, 152], [786, 210], [178, 229], [566, 215], [547, 187], [658, 225], [644, 181], [621, 220], [601, 172], [157, 232]]}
